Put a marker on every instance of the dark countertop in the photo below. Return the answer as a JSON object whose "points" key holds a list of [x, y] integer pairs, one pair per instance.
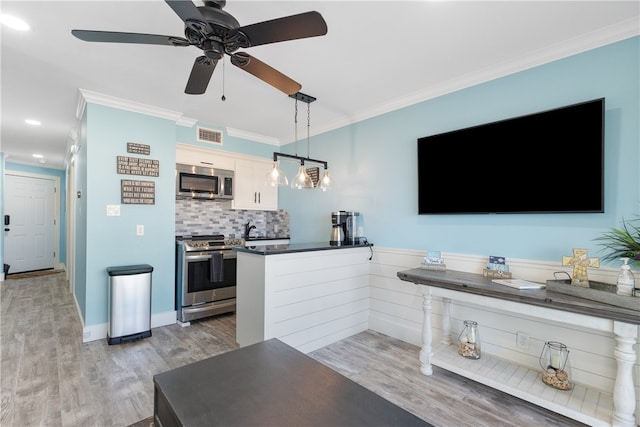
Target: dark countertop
{"points": [[296, 247], [267, 237], [269, 384], [479, 285]]}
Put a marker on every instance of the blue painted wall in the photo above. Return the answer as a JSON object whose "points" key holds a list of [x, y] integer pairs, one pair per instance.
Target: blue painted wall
{"points": [[112, 240], [80, 179], [374, 164], [61, 196]]}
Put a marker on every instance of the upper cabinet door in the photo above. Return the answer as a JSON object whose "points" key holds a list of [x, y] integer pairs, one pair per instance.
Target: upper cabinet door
{"points": [[204, 157], [251, 191]]}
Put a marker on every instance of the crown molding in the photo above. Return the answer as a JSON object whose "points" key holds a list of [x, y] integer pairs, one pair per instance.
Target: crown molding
{"points": [[237, 133], [127, 105], [186, 122]]}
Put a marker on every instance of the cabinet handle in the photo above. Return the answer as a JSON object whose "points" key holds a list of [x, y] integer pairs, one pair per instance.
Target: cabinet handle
{"points": [[255, 197], [207, 163], [259, 198]]}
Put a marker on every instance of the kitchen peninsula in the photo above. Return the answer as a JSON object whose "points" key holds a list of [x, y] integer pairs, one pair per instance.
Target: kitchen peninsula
{"points": [[307, 295]]}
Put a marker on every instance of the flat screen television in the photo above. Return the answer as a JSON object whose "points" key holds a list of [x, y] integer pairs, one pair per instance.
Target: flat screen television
{"points": [[546, 162]]}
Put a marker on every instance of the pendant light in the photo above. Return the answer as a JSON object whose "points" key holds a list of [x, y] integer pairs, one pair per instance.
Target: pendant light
{"points": [[326, 182], [275, 177], [302, 180]]}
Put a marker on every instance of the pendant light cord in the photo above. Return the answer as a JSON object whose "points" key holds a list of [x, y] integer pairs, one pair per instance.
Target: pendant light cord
{"points": [[295, 121], [308, 125]]}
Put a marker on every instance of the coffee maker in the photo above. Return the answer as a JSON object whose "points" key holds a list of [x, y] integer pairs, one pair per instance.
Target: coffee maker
{"points": [[344, 226]]}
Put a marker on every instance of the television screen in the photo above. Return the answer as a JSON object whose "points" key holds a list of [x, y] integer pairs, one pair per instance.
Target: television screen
{"points": [[547, 162]]}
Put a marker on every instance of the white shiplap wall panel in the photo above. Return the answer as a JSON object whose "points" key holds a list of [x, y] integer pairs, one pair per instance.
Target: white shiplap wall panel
{"points": [[300, 309], [308, 291], [327, 275], [305, 262], [316, 320]]}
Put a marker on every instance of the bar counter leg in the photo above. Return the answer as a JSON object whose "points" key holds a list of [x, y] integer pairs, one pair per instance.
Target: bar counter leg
{"points": [[426, 353], [624, 397]]}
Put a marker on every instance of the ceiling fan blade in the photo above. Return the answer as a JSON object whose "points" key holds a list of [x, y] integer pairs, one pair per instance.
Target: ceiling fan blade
{"points": [[200, 75], [117, 37], [190, 14], [266, 73], [309, 24]]}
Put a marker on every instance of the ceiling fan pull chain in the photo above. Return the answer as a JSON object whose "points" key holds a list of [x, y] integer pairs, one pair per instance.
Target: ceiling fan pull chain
{"points": [[223, 97]]}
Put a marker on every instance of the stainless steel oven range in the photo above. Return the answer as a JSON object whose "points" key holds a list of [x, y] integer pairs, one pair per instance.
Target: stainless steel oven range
{"points": [[205, 276]]}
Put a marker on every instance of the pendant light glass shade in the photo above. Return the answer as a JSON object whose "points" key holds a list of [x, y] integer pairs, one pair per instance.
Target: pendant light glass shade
{"points": [[275, 177], [326, 182], [302, 179]]}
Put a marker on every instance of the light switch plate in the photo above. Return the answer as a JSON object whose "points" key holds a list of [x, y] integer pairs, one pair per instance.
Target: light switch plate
{"points": [[139, 230], [113, 210]]}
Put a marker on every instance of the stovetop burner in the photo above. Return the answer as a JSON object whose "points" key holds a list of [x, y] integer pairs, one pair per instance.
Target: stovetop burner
{"points": [[208, 242]]}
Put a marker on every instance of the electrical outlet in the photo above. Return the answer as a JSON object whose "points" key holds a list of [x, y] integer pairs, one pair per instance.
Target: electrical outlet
{"points": [[522, 340], [139, 230]]}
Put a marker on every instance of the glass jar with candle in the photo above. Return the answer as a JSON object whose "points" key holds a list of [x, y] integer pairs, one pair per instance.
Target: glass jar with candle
{"points": [[469, 340], [554, 361]]}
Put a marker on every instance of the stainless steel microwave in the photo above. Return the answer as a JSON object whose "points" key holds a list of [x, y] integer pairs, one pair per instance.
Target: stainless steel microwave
{"points": [[198, 182]]}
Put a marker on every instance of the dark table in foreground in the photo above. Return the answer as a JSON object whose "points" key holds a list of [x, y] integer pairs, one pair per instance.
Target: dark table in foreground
{"points": [[269, 384]]}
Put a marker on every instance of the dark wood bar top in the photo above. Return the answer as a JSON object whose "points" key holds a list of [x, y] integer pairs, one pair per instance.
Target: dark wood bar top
{"points": [[478, 284], [269, 384]]}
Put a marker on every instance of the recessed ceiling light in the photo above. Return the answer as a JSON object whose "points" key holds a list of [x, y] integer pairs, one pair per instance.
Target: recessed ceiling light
{"points": [[32, 122], [13, 22], [38, 156]]}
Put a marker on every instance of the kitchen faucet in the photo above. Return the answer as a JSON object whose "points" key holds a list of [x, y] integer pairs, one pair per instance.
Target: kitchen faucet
{"points": [[247, 229]]}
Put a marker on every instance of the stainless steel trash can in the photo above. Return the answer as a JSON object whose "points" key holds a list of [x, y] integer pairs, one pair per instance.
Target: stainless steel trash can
{"points": [[129, 303]]}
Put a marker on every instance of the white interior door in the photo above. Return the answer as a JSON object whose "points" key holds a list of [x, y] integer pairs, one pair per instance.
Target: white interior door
{"points": [[29, 236]]}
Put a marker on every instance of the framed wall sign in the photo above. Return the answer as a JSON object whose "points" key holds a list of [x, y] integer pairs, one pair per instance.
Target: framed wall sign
{"points": [[134, 192]]}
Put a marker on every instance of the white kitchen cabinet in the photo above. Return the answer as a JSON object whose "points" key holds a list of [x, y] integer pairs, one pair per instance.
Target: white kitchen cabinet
{"points": [[251, 191], [191, 155]]}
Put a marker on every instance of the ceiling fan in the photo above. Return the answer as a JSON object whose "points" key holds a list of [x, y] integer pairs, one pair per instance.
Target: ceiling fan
{"points": [[216, 32]]}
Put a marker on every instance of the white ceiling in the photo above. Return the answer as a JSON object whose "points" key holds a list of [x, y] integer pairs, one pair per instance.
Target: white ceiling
{"points": [[376, 57]]}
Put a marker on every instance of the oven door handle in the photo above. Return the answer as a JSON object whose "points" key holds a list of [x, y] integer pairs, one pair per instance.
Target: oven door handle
{"points": [[208, 255], [197, 257]]}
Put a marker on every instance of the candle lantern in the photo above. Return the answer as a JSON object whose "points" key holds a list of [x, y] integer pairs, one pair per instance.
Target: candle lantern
{"points": [[554, 361], [469, 340]]}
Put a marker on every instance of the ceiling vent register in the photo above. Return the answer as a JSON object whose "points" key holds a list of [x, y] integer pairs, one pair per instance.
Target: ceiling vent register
{"points": [[210, 136]]}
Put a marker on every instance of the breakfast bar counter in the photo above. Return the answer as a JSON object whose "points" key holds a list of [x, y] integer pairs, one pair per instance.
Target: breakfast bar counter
{"points": [[288, 248], [307, 295]]}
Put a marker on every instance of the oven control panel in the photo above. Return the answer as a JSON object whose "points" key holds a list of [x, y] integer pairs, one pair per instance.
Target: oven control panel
{"points": [[234, 242]]}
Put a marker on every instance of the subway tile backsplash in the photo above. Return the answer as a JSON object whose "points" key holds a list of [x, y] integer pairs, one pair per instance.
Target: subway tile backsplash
{"points": [[198, 217]]}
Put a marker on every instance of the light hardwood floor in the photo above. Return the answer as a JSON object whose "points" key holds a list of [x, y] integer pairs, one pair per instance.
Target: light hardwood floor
{"points": [[50, 378]]}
